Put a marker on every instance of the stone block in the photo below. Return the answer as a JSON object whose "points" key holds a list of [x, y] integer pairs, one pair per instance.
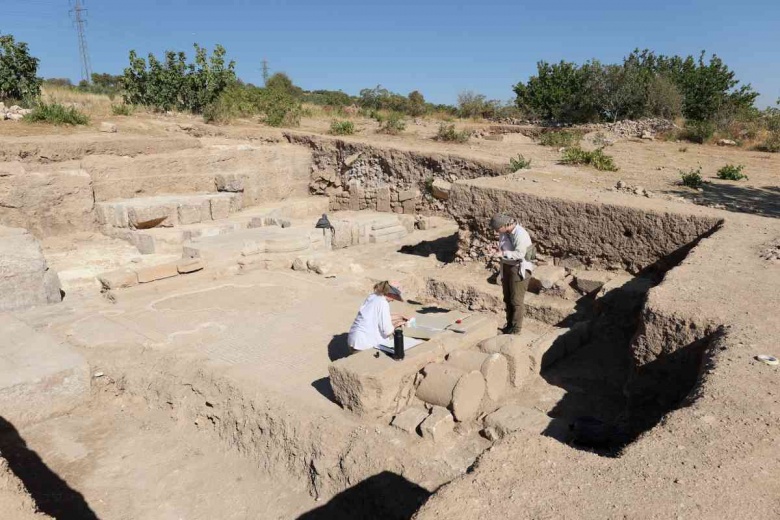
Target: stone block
{"points": [[153, 215], [156, 272], [409, 206], [372, 384], [220, 208], [512, 418], [411, 194], [299, 264], [557, 344], [549, 309], [545, 277], [624, 285], [571, 263], [493, 367], [588, 282], [438, 426], [25, 278], [190, 265], [383, 199], [39, 376], [448, 386], [119, 279], [109, 128], [194, 212], [410, 419], [440, 189], [231, 182]]}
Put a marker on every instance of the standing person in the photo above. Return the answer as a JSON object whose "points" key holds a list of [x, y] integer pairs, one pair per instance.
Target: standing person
{"points": [[516, 252], [374, 322]]}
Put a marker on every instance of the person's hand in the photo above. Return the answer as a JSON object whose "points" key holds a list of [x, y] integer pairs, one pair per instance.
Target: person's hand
{"points": [[398, 320]]}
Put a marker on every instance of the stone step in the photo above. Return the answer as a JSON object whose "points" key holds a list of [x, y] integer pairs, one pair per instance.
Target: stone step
{"points": [[250, 242], [166, 210], [387, 234], [161, 240], [39, 376]]}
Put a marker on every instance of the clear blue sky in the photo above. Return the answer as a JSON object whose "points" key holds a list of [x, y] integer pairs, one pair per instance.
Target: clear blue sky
{"points": [[439, 47]]}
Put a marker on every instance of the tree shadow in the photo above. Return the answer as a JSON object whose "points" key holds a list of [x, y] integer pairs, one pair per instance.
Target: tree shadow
{"points": [[444, 248], [763, 200], [386, 495], [51, 493]]}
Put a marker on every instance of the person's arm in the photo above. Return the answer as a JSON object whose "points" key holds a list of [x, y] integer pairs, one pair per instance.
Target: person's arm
{"points": [[519, 245], [386, 327]]}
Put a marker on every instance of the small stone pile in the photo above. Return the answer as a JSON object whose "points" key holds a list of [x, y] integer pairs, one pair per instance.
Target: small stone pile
{"points": [[643, 128], [624, 187], [13, 113], [772, 253]]}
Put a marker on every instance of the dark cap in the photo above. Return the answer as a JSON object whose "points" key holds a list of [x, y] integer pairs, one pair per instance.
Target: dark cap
{"points": [[500, 220]]}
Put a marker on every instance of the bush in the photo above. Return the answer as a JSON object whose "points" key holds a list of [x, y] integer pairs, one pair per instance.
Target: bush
{"points": [[561, 138], [122, 109], [771, 144], [280, 108], [698, 131], [692, 178], [342, 127], [18, 71], [176, 84], [519, 163], [682, 149], [56, 114], [645, 84], [448, 133], [731, 172], [597, 158], [393, 124]]}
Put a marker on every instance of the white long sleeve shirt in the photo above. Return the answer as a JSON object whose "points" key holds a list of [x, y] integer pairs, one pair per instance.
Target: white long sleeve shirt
{"points": [[372, 324], [514, 246]]}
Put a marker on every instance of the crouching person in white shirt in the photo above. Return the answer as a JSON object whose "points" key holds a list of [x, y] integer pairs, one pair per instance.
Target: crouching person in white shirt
{"points": [[517, 253], [374, 322]]}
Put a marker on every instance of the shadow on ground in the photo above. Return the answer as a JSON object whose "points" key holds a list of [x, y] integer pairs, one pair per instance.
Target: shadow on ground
{"points": [[51, 493], [764, 200], [444, 248], [385, 495]]}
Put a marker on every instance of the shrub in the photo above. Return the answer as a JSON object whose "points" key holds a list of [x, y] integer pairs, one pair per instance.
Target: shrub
{"points": [[18, 71], [692, 178], [176, 84], [561, 138], [597, 158], [731, 172], [56, 114], [682, 149], [771, 144], [519, 163], [122, 109], [393, 124], [698, 131], [280, 108], [342, 127], [448, 133]]}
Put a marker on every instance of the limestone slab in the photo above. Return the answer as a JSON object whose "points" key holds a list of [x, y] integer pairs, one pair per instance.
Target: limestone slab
{"points": [[410, 419], [153, 273], [39, 377], [438, 426], [512, 418], [118, 279], [25, 277], [589, 282]]}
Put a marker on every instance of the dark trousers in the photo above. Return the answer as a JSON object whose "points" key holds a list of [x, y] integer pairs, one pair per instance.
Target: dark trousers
{"points": [[514, 295]]}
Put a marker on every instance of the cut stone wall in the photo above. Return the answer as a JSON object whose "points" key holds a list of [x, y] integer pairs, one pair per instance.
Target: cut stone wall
{"points": [[25, 278], [357, 176], [598, 234], [45, 201]]}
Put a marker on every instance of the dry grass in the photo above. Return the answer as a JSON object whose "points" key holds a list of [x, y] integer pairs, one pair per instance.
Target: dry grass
{"points": [[96, 106]]}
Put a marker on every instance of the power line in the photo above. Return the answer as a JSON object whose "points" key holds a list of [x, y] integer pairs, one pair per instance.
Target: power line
{"points": [[79, 14]]}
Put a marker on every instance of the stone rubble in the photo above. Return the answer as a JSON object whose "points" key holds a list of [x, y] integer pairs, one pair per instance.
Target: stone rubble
{"points": [[13, 113]]}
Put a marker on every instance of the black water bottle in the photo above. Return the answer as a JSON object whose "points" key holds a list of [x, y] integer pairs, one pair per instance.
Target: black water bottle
{"points": [[398, 344]]}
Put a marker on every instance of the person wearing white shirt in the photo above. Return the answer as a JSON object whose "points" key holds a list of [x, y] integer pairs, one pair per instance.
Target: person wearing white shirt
{"points": [[517, 252], [374, 322]]}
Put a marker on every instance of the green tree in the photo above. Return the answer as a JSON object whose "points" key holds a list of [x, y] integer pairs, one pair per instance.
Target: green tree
{"points": [[175, 84], [18, 70], [416, 104]]}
